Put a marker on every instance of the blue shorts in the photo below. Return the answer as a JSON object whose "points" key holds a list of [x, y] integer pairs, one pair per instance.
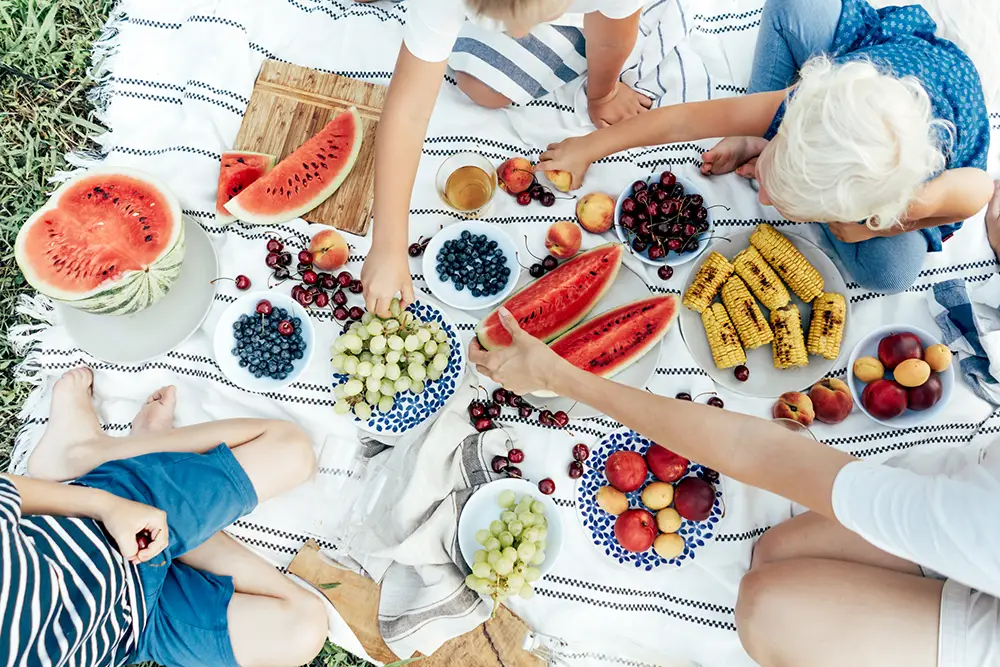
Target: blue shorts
{"points": [[187, 624]]}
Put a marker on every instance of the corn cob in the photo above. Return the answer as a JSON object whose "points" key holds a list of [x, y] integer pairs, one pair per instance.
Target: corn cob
{"points": [[750, 323], [722, 337], [801, 276], [826, 330], [761, 279], [789, 346], [714, 271]]}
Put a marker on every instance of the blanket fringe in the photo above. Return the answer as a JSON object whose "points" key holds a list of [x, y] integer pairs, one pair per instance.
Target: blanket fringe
{"points": [[24, 339]]}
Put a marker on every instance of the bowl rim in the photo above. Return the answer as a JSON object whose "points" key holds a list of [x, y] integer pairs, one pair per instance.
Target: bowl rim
{"points": [[237, 308], [676, 260], [453, 231], [917, 417]]}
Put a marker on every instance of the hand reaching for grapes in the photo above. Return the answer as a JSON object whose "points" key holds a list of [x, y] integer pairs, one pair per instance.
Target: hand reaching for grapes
{"points": [[385, 274], [524, 366]]}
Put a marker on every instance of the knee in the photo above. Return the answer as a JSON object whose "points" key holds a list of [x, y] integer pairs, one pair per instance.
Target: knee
{"points": [[766, 550], [297, 456], [308, 628], [756, 612], [480, 93], [888, 279]]}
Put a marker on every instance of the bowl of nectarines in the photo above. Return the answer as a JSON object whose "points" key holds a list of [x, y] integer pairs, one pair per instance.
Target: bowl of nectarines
{"points": [[901, 376]]}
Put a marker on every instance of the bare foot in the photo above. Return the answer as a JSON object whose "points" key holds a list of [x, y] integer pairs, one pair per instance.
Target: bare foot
{"points": [[158, 412], [73, 427], [993, 220], [737, 154]]}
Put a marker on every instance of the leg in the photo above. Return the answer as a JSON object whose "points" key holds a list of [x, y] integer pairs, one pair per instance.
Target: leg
{"points": [[791, 32], [886, 264], [825, 613], [993, 220], [480, 93]]}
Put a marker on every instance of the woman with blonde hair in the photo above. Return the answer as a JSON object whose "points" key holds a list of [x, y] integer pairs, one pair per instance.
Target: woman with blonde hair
{"points": [[858, 118]]}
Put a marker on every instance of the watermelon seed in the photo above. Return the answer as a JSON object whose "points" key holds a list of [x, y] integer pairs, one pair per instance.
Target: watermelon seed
{"points": [[314, 166], [89, 195], [296, 177], [323, 164], [268, 191], [309, 177], [149, 238], [142, 219], [241, 160], [289, 182], [320, 156]]}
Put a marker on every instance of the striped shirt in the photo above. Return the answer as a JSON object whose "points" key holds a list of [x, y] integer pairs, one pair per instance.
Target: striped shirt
{"points": [[67, 597]]}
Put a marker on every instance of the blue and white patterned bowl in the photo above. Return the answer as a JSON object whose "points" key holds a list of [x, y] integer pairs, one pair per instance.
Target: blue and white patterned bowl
{"points": [[599, 526], [412, 409]]}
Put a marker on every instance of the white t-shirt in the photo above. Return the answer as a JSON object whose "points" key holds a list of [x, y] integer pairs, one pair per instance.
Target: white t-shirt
{"points": [[940, 511], [432, 26]]}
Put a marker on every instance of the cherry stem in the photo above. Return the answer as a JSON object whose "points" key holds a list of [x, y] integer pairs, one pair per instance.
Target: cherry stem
{"points": [[705, 393], [709, 208], [529, 249], [222, 278]]}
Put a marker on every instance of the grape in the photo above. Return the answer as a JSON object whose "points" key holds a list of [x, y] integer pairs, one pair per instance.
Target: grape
{"points": [[524, 506], [434, 374], [515, 528], [538, 558], [440, 361], [515, 582], [353, 387], [508, 516], [372, 397], [386, 403], [492, 543], [543, 532], [493, 556], [391, 326], [341, 407], [538, 508], [338, 391], [393, 356], [378, 370], [444, 349], [363, 411], [377, 344], [367, 317], [416, 372], [395, 307], [530, 535], [375, 327], [430, 348], [364, 369], [402, 384], [506, 501], [504, 566], [416, 358], [337, 361], [387, 388], [506, 539], [527, 518], [363, 334], [417, 387], [497, 527], [482, 570], [395, 343], [392, 371], [527, 592], [372, 383], [351, 365], [540, 545], [440, 336], [482, 536], [412, 343], [479, 556], [532, 574], [526, 551], [338, 345]]}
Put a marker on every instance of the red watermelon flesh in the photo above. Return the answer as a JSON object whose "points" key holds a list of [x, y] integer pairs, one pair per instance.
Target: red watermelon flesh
{"points": [[239, 169], [558, 300], [304, 179], [612, 341]]}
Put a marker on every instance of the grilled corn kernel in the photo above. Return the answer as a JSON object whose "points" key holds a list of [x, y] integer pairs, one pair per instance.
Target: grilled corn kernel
{"points": [[722, 337], [711, 274], [800, 276], [750, 323]]}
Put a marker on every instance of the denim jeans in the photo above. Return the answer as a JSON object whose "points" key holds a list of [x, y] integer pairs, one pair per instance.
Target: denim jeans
{"points": [[791, 32]]}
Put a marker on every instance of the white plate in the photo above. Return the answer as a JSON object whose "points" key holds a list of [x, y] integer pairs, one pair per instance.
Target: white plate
{"points": [[765, 380], [139, 337], [223, 341], [445, 291], [626, 288], [482, 508], [672, 258], [868, 347]]}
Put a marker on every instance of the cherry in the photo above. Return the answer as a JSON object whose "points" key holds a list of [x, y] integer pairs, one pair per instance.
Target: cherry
{"points": [[690, 230], [628, 205], [499, 463], [627, 220], [537, 190], [344, 278], [536, 271], [483, 424], [742, 373], [657, 252], [309, 277], [514, 472], [513, 400], [667, 178], [545, 418], [700, 214], [524, 198], [264, 307], [639, 245], [576, 470], [709, 475], [547, 199], [477, 409], [641, 197], [340, 313], [272, 260], [301, 267], [653, 209], [327, 281], [716, 402], [500, 395], [339, 298], [356, 313], [286, 328], [547, 486], [286, 259], [683, 396], [305, 257], [242, 282], [525, 410], [493, 410], [296, 290], [356, 287], [322, 300], [305, 298], [674, 244], [274, 245], [665, 272], [515, 455], [315, 290], [143, 539], [696, 200], [581, 452], [638, 186], [281, 273], [415, 250], [561, 419], [550, 263], [645, 229]]}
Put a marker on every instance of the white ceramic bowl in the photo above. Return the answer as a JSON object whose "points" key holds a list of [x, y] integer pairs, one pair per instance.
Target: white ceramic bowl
{"points": [[868, 347], [445, 291], [482, 508], [672, 258], [224, 341]]}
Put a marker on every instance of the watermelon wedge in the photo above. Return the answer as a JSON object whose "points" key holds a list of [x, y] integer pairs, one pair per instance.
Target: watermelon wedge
{"points": [[558, 300], [613, 341], [239, 169], [304, 179]]}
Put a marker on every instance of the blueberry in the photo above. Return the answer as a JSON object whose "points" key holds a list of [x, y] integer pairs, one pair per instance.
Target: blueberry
{"points": [[476, 292], [258, 374], [459, 286], [285, 356], [491, 245], [282, 376], [481, 238], [466, 234], [297, 354], [236, 326], [451, 257]]}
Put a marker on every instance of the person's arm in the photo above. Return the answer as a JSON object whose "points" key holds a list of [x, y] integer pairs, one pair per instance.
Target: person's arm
{"points": [[609, 43], [123, 519], [412, 94], [751, 450]]}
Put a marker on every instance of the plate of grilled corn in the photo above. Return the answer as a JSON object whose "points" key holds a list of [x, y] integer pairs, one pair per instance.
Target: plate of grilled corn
{"points": [[765, 313]]}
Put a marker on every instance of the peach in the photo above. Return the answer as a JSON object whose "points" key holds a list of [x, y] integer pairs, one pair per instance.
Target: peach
{"points": [[796, 406], [884, 399], [626, 471], [329, 250], [611, 500], [668, 546], [596, 212], [938, 357], [831, 400], [515, 175], [563, 239], [635, 530], [664, 464], [560, 180]]}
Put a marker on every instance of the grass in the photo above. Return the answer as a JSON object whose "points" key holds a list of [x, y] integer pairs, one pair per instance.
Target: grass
{"points": [[44, 55]]}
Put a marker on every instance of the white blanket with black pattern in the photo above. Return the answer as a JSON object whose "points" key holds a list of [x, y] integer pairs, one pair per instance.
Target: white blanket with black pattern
{"points": [[174, 79]]}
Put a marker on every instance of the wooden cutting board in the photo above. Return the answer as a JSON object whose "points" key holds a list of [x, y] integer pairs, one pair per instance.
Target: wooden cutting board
{"points": [[290, 104], [496, 643]]}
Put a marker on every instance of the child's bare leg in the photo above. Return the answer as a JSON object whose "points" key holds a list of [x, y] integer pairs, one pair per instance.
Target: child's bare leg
{"points": [[993, 220]]}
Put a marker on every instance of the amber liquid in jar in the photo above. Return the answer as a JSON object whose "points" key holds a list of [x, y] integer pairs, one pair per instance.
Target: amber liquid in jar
{"points": [[468, 188]]}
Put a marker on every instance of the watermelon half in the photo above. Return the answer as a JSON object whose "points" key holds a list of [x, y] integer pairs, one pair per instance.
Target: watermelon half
{"points": [[238, 170], [110, 241], [558, 300], [304, 179], [613, 341]]}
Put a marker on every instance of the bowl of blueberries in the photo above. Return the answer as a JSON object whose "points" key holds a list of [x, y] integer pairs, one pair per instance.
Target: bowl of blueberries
{"points": [[471, 265], [264, 341]]}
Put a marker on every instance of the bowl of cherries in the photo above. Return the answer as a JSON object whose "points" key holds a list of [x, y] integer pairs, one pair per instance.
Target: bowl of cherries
{"points": [[663, 220]]}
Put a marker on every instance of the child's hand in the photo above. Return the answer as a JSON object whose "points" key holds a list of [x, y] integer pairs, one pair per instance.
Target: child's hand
{"points": [[384, 274], [125, 519], [526, 365], [620, 104], [570, 155]]}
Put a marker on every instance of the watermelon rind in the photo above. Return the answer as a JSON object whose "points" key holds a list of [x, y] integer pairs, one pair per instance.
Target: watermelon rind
{"points": [[132, 291], [491, 321], [249, 206], [616, 330], [222, 216]]}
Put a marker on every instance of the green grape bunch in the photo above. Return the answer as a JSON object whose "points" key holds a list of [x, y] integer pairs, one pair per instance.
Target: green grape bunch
{"points": [[383, 358], [512, 549]]}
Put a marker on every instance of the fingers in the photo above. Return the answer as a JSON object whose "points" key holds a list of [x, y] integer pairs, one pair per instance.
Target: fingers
{"points": [[406, 294], [477, 354], [510, 323], [482, 370], [644, 101], [380, 306], [601, 123], [539, 166], [155, 547], [545, 164]]}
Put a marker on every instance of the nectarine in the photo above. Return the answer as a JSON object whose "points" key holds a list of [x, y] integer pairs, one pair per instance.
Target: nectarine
{"points": [[329, 250], [563, 239]]}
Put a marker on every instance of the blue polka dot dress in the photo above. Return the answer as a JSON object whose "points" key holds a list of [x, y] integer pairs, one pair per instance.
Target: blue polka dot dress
{"points": [[901, 40]]}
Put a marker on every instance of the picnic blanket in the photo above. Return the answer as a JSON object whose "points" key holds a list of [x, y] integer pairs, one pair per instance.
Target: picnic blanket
{"points": [[173, 82]]}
